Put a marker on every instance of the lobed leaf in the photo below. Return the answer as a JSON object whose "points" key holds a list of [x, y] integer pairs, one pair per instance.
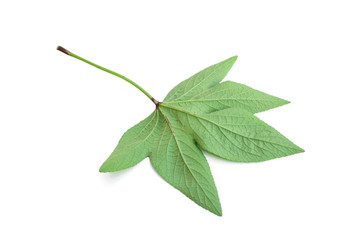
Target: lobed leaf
{"points": [[201, 113]]}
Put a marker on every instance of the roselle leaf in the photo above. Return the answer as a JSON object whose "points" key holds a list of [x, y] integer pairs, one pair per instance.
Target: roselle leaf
{"points": [[199, 114]]}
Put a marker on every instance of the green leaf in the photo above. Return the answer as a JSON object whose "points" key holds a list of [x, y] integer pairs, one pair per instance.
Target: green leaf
{"points": [[199, 113]]}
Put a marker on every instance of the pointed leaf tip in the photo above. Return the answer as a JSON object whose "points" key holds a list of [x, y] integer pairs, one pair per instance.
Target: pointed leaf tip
{"points": [[231, 60], [234, 57], [103, 169], [218, 212], [106, 167]]}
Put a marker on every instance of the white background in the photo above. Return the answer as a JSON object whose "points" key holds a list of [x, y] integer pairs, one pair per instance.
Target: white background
{"points": [[61, 118]]}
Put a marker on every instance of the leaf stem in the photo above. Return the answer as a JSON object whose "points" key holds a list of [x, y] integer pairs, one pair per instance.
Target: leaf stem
{"points": [[61, 49]]}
